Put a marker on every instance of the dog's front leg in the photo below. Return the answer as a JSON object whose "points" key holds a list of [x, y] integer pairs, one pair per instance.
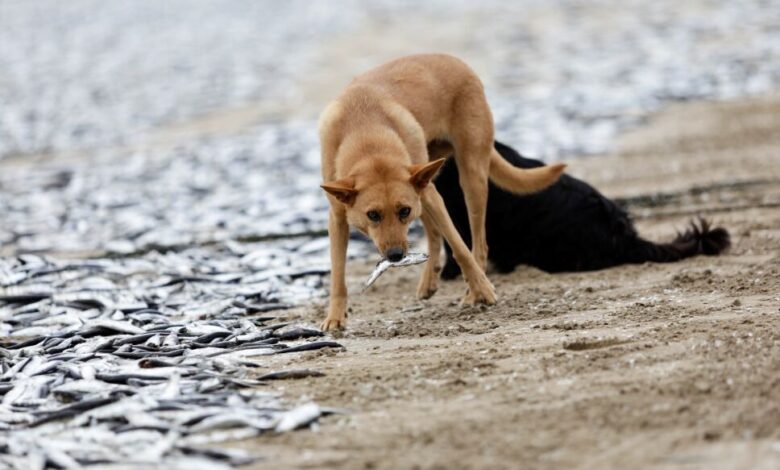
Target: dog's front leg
{"points": [[480, 288], [429, 282], [338, 232]]}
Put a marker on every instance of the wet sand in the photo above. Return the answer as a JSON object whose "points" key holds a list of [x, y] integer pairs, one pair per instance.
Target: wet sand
{"points": [[669, 366]]}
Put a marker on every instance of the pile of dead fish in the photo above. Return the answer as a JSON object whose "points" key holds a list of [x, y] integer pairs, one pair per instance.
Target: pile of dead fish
{"points": [[204, 192], [102, 363], [104, 85], [565, 75]]}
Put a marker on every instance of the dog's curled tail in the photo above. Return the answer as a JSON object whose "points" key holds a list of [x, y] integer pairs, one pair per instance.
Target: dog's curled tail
{"points": [[699, 239], [522, 181]]}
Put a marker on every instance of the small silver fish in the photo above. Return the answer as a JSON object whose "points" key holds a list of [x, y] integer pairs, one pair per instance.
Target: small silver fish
{"points": [[120, 326], [154, 342], [172, 340], [87, 372], [297, 417], [231, 420], [384, 265], [172, 389]]}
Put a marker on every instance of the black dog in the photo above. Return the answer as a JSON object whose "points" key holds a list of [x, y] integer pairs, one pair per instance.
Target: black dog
{"points": [[567, 227]]}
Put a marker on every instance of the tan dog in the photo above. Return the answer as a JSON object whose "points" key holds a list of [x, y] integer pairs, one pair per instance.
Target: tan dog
{"points": [[377, 140]]}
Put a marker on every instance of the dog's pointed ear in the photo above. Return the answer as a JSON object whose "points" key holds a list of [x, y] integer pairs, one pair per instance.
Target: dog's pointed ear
{"points": [[343, 190], [422, 174]]}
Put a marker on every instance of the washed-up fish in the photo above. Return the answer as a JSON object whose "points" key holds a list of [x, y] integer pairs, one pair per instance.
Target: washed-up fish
{"points": [[200, 329], [298, 417], [97, 354], [60, 458], [209, 385], [42, 368], [409, 260], [154, 342], [172, 340], [291, 374], [118, 326], [83, 387], [28, 390], [220, 436], [8, 278], [136, 339], [75, 409], [232, 420], [309, 347], [235, 457], [12, 371], [297, 333], [172, 388], [154, 453], [150, 363], [94, 299], [26, 294]]}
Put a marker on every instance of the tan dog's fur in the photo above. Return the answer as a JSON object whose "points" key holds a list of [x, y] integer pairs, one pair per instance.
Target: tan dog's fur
{"points": [[378, 139]]}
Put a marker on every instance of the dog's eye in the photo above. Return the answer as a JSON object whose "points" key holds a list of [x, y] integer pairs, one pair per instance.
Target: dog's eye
{"points": [[373, 216], [404, 212]]}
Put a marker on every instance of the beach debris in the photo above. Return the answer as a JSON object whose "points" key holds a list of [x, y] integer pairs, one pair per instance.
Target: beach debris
{"points": [[382, 266]]}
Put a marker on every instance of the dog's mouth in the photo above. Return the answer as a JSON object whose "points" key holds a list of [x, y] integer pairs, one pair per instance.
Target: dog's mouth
{"points": [[395, 255], [392, 253]]}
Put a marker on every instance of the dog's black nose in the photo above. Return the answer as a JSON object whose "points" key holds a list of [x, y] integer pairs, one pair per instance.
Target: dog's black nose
{"points": [[394, 254]]}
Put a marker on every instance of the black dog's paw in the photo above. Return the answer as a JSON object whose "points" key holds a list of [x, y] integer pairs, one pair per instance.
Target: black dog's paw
{"points": [[451, 270]]}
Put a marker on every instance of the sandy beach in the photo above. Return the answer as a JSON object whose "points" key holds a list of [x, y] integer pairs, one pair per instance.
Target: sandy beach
{"points": [[654, 365]]}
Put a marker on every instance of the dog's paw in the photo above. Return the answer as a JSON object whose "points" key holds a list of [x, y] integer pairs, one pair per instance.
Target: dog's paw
{"points": [[425, 292], [333, 323], [427, 287], [480, 292], [486, 298]]}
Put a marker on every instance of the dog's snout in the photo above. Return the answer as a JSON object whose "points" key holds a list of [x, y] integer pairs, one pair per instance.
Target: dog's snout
{"points": [[394, 254]]}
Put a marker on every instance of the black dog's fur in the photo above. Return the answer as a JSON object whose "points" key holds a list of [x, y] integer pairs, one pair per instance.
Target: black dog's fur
{"points": [[569, 226]]}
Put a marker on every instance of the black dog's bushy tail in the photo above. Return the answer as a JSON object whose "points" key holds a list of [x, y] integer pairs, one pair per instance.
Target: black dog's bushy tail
{"points": [[699, 239]]}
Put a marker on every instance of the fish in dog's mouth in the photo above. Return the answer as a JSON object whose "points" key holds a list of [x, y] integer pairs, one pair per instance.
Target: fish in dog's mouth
{"points": [[385, 264]]}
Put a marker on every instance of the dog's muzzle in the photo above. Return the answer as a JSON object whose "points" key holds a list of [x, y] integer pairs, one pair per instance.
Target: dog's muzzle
{"points": [[394, 254]]}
